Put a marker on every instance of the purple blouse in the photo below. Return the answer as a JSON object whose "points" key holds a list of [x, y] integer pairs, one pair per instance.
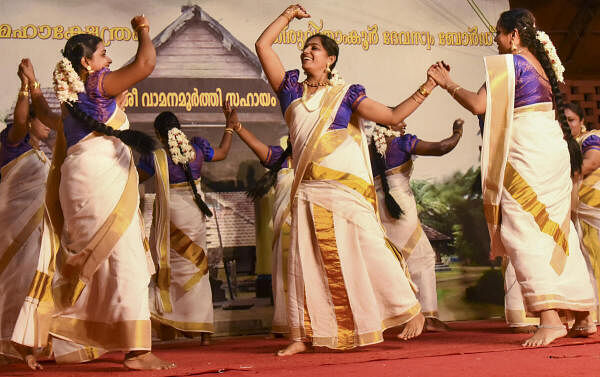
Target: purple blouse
{"points": [[591, 142], [204, 152], [275, 152], [291, 89], [530, 86], [94, 103], [399, 151], [9, 152]]}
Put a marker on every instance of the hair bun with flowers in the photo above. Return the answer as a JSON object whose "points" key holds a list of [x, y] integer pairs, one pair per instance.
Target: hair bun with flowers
{"points": [[336, 78], [379, 137], [557, 66], [180, 150], [67, 82]]}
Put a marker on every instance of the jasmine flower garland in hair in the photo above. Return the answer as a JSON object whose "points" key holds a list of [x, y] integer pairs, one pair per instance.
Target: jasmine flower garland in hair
{"points": [[336, 78], [379, 137], [179, 147], [557, 66], [67, 82]]}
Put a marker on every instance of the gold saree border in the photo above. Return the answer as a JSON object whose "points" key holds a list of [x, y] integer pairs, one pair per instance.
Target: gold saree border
{"points": [[514, 316], [189, 250], [412, 241], [324, 229], [591, 243], [523, 194], [80, 356], [21, 237], [160, 224], [542, 106], [401, 169], [536, 303], [184, 326], [588, 194], [6, 168], [114, 336], [316, 172]]}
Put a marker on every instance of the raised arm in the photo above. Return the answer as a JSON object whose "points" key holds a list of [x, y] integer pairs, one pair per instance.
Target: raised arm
{"points": [[379, 113], [269, 60], [232, 121], [21, 116], [440, 148], [475, 102], [260, 149], [40, 106], [142, 66]]}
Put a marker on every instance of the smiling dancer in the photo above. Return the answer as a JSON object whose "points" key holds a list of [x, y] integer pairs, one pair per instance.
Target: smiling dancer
{"points": [[346, 281]]}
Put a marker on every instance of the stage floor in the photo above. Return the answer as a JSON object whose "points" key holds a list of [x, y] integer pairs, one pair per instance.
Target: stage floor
{"points": [[472, 348]]}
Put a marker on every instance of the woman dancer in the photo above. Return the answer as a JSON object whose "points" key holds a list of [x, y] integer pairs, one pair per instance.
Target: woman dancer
{"points": [[588, 206], [27, 245], [346, 283], [276, 158], [181, 297], [103, 268], [525, 171], [391, 153]]}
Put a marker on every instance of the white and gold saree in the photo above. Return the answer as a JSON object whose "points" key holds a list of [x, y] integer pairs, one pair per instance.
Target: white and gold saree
{"points": [[407, 234], [527, 195], [180, 295], [588, 224], [103, 267], [346, 283], [27, 251]]}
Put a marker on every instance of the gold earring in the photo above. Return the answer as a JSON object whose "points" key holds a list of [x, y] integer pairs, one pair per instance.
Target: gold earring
{"points": [[89, 69], [328, 70]]}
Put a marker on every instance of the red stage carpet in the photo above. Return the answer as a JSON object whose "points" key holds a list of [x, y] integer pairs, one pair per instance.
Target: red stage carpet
{"points": [[479, 348]]}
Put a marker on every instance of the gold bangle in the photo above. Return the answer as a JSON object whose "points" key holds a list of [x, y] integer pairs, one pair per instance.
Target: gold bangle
{"points": [[36, 84], [423, 91], [237, 127], [25, 87], [24, 93], [454, 90], [289, 13], [229, 131], [416, 100], [140, 26]]}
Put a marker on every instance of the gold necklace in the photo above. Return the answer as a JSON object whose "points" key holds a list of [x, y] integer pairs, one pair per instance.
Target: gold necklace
{"points": [[316, 84]]}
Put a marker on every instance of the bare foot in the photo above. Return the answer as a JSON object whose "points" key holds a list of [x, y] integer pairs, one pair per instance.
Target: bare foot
{"points": [[145, 360], [27, 355], [413, 328], [529, 329], [293, 348], [205, 339], [545, 335], [435, 325]]}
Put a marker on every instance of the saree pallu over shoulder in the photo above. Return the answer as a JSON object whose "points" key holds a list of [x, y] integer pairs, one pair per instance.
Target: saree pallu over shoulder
{"points": [[27, 254], [500, 84]]}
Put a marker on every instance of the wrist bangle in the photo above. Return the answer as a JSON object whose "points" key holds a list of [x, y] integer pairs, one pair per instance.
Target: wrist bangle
{"points": [[141, 26], [24, 93], [423, 91], [454, 90], [229, 131], [36, 84], [289, 14], [416, 100], [237, 127]]}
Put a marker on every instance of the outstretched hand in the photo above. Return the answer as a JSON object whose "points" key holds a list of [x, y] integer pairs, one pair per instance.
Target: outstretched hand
{"points": [[138, 21], [231, 117], [296, 11], [457, 127], [26, 71], [440, 73]]}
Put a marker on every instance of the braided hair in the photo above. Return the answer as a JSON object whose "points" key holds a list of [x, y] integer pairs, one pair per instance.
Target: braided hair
{"points": [[84, 45], [164, 122], [379, 161], [268, 180], [524, 21]]}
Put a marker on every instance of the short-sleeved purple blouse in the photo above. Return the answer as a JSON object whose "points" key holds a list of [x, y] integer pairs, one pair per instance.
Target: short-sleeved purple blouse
{"points": [[273, 155], [94, 103], [290, 90], [9, 152], [399, 151], [204, 152]]}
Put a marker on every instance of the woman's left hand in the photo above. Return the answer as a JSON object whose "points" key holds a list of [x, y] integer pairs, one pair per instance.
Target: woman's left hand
{"points": [[231, 116], [440, 73]]}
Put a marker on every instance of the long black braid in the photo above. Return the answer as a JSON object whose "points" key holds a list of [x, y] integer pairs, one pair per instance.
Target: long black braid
{"points": [[390, 203], [524, 21], [84, 45], [268, 180], [162, 124]]}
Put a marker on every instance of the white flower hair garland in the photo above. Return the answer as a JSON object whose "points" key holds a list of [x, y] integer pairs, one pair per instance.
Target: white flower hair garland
{"points": [[179, 147], [557, 66], [336, 78], [379, 135], [67, 82]]}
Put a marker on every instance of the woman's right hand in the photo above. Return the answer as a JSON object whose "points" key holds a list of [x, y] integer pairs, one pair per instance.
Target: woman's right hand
{"points": [[231, 117], [440, 74], [457, 127], [26, 69], [296, 11], [138, 21]]}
